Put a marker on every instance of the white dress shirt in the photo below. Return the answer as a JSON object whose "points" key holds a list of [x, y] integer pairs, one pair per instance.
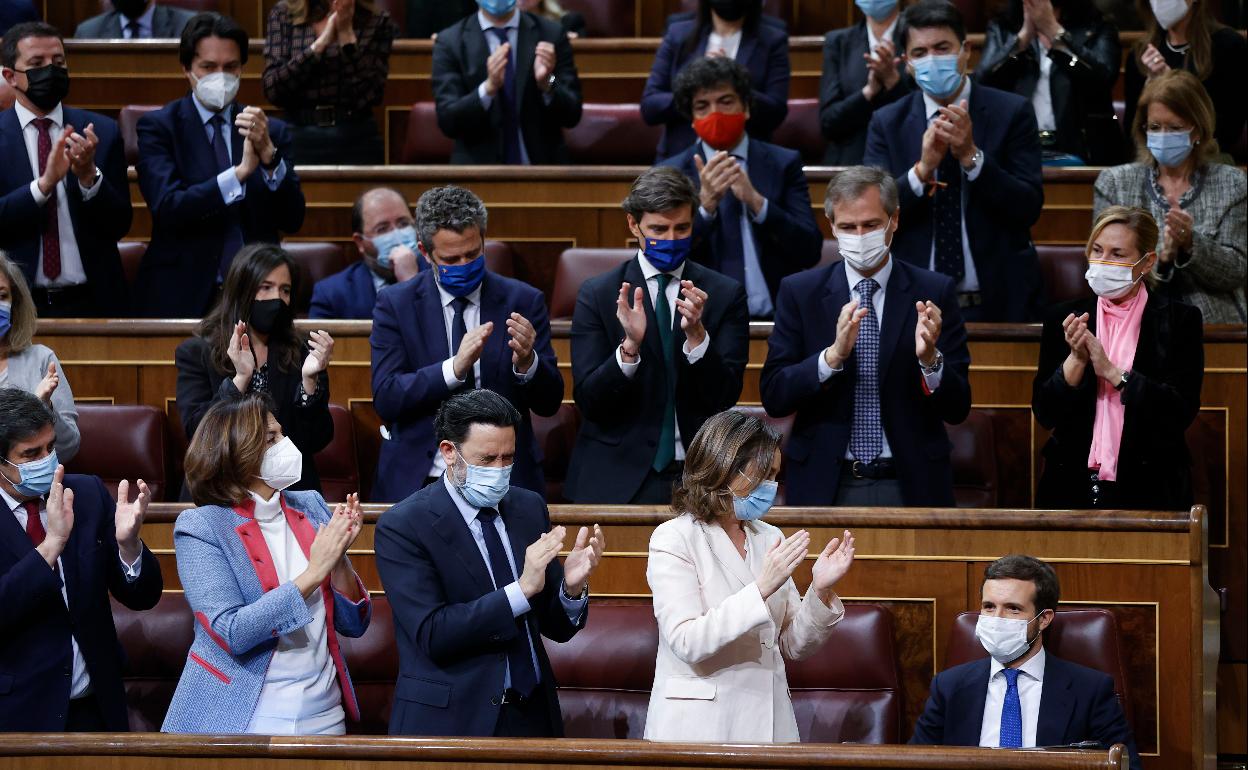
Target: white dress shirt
{"points": [[300, 695], [693, 356], [144, 21], [873, 41], [232, 190], [757, 293], [512, 26], [1030, 686], [1042, 97], [970, 278], [72, 271], [80, 684], [729, 43]]}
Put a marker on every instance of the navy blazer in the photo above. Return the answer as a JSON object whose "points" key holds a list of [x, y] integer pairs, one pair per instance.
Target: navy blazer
{"points": [[621, 418], [1002, 203], [914, 421], [844, 112], [788, 240], [349, 293], [178, 179], [36, 659], [452, 625], [98, 223], [764, 52], [409, 345], [1077, 704]]}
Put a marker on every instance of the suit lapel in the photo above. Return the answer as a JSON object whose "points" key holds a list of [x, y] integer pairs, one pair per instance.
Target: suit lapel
{"points": [[897, 302], [428, 302], [854, 67], [1147, 352], [494, 309], [516, 539], [726, 553], [13, 149], [13, 536], [634, 277], [835, 295], [980, 119], [966, 706], [1055, 705], [79, 546], [476, 49], [745, 49], [203, 161], [236, 139], [914, 126], [526, 51], [450, 526]]}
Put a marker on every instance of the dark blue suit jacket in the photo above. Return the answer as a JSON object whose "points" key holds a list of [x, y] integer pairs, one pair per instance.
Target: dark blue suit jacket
{"points": [[36, 659], [914, 422], [453, 627], [409, 345], [98, 223], [1076, 704], [178, 178], [348, 293], [764, 52], [1002, 203], [788, 240]]}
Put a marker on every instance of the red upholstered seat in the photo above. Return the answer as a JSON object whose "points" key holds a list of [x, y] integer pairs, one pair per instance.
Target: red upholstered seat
{"points": [[124, 441], [831, 252], [131, 257], [336, 463], [574, 268], [425, 142], [1061, 273], [800, 131], [373, 660], [316, 260], [607, 18], [500, 258], [156, 643], [556, 435], [612, 134], [128, 124], [975, 480]]}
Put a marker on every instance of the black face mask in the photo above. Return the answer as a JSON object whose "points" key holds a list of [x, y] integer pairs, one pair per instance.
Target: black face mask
{"points": [[46, 86], [131, 9], [269, 314], [729, 10]]}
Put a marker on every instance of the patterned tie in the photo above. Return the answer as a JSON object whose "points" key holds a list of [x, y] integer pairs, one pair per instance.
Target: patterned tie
{"points": [[1011, 712], [519, 651], [233, 240], [34, 527], [867, 438], [511, 122], [947, 219], [51, 217], [667, 429], [459, 328]]}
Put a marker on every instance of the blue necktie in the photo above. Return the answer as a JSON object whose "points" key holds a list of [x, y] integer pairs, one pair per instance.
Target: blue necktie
{"points": [[511, 122], [519, 652], [1011, 712], [233, 240], [867, 438], [458, 329], [667, 431]]}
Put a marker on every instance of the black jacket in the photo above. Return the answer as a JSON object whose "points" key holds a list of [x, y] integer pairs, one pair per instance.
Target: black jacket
{"points": [[844, 112]]}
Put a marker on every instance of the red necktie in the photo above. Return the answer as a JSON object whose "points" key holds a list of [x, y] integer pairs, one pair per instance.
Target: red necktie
{"points": [[51, 227], [34, 527]]}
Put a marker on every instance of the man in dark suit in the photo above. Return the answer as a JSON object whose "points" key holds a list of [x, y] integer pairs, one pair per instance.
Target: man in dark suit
{"points": [[967, 162], [64, 198], [871, 354], [1021, 696], [136, 20], [861, 73], [659, 344], [215, 174], [470, 565], [506, 87], [385, 235], [456, 327], [64, 547], [754, 223]]}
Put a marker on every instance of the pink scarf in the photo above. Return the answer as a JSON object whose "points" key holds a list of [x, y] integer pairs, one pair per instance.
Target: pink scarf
{"points": [[1118, 329]]}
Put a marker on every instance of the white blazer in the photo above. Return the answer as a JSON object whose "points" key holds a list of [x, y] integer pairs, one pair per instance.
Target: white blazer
{"points": [[720, 675]]}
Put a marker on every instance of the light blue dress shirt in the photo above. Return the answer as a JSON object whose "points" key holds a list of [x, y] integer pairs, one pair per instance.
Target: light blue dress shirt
{"points": [[756, 291], [232, 190], [144, 21]]}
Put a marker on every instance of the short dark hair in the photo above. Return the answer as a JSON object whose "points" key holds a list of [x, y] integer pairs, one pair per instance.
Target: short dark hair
{"points": [[209, 24], [22, 415], [448, 208], [459, 413], [1019, 567], [19, 32], [357, 210], [927, 14], [709, 72], [660, 189]]}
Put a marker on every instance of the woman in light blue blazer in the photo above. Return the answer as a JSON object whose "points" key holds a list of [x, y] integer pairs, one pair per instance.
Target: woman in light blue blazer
{"points": [[269, 582]]}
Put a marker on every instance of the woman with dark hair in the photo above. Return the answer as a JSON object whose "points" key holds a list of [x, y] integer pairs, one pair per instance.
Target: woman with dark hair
{"points": [[267, 576], [738, 30], [1062, 56], [247, 344], [1183, 34], [724, 600]]}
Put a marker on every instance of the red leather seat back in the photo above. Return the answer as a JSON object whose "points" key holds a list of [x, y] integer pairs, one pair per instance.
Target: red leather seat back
{"points": [[574, 268], [500, 258], [612, 135], [850, 688], [973, 14], [156, 643], [975, 480], [425, 143], [336, 463], [128, 124], [1087, 637], [1061, 273], [373, 661], [196, 5], [316, 260], [779, 8], [131, 257], [830, 253], [124, 441], [607, 18], [556, 435], [800, 131]]}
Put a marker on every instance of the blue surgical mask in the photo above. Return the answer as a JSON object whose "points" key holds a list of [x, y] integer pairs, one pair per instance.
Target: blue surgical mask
{"points": [[497, 7], [878, 10], [461, 280], [1170, 148], [483, 486], [756, 504], [938, 74], [667, 255], [386, 243], [6, 317], [36, 475]]}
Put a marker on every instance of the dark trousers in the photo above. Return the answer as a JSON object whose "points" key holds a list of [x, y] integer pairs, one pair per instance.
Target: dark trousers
{"points": [[84, 716], [355, 143], [656, 487], [69, 302], [530, 719], [867, 493]]}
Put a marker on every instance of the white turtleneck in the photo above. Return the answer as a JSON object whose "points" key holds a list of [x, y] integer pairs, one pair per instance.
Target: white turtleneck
{"points": [[300, 694]]}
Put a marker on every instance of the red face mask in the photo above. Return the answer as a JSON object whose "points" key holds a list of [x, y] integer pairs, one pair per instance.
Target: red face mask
{"points": [[721, 130]]}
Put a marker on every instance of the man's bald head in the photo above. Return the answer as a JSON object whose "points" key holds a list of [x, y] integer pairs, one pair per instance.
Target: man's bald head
{"points": [[378, 207]]}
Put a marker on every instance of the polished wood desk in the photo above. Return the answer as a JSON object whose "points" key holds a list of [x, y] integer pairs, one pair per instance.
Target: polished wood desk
{"points": [[155, 751]]}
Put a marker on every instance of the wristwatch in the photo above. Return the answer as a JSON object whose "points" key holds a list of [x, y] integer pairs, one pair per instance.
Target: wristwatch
{"points": [[935, 367], [274, 161], [976, 159], [583, 595], [1122, 381]]}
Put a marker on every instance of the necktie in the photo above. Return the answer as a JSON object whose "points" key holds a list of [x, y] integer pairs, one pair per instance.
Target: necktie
{"points": [[51, 218], [519, 651], [458, 329], [511, 122], [34, 527], [132, 27], [233, 240], [666, 451], [732, 255], [947, 219], [1011, 712], [867, 438], [219, 148]]}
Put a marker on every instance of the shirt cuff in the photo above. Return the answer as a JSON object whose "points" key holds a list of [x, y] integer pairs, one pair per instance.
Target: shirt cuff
{"points": [[696, 354], [526, 376], [483, 97], [825, 371], [132, 570], [707, 215], [574, 607], [274, 178], [932, 381], [628, 369], [448, 374], [37, 194], [232, 190], [916, 185], [975, 169], [90, 192], [516, 598], [761, 216]]}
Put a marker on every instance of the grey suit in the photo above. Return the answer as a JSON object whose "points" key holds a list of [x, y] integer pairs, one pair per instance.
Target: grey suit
{"points": [[844, 113], [167, 22]]}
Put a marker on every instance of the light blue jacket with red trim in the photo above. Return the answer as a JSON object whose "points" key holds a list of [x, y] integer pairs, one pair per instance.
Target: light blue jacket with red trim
{"points": [[241, 610]]}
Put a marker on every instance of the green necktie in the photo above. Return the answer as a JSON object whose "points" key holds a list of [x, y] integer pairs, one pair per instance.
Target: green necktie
{"points": [[667, 432]]}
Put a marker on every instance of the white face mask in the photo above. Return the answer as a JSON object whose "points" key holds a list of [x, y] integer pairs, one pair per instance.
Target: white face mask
{"points": [[1168, 12], [864, 253], [1005, 639], [282, 464], [1111, 280], [217, 90]]}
